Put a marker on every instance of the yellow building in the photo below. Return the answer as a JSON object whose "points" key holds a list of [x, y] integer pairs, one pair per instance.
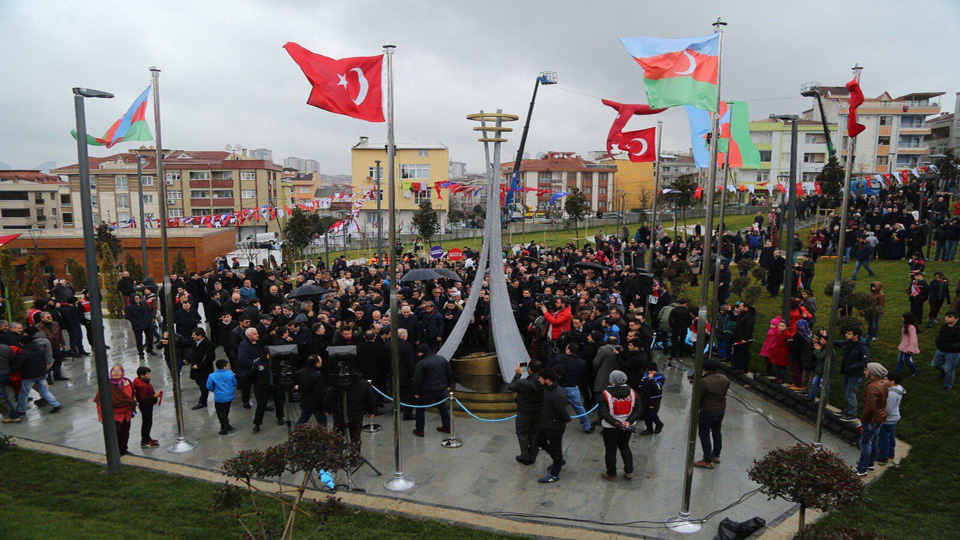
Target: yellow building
{"points": [[419, 167], [632, 183], [297, 187]]}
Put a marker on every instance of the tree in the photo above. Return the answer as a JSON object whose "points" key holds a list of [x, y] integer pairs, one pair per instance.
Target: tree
{"points": [[947, 166], [455, 215], [685, 188], [110, 278], [645, 202], [298, 232], [134, 267], [479, 211], [78, 274], [179, 266], [576, 206], [15, 309], [426, 221], [813, 478], [34, 277], [104, 237], [309, 449], [831, 178]]}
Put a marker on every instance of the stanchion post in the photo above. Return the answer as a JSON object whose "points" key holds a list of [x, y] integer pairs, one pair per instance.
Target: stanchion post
{"points": [[453, 441], [371, 427]]}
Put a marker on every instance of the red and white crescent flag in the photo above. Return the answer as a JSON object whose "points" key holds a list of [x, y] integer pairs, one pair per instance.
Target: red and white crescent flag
{"points": [[640, 145], [350, 86]]}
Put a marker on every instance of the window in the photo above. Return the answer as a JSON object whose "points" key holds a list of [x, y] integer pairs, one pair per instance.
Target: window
{"points": [[123, 200], [586, 177], [813, 158], [886, 120], [13, 195], [148, 198], [175, 212], [765, 155], [199, 175], [96, 217], [38, 197], [174, 194], [784, 157], [41, 216], [543, 177], [225, 175], [64, 198], [423, 153], [248, 193], [199, 194], [248, 175], [15, 212], [120, 183], [883, 160], [375, 172], [148, 180], [201, 212], [421, 196], [304, 189], [173, 176], [763, 137], [587, 191], [223, 194], [815, 138], [123, 216], [68, 217], [415, 172], [602, 177], [763, 176], [883, 141], [602, 204], [602, 191], [222, 210]]}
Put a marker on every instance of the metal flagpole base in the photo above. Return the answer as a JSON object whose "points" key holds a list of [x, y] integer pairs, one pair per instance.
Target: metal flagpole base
{"points": [[681, 523], [371, 428], [452, 442], [181, 445], [399, 482]]}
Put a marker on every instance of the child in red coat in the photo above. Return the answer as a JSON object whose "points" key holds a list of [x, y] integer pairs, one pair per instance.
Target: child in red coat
{"points": [[780, 355], [147, 397]]}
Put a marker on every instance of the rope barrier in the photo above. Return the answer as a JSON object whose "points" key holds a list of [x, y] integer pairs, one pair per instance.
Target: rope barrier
{"points": [[411, 406], [462, 406]]}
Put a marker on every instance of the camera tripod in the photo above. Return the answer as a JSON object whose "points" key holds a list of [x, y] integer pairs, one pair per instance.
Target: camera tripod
{"points": [[346, 429]]}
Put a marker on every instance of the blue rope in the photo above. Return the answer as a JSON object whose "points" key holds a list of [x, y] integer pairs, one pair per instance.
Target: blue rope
{"points": [[586, 413], [466, 410], [411, 406]]}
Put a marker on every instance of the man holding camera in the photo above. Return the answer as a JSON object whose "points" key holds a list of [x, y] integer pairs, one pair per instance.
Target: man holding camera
{"points": [[559, 323], [529, 406]]}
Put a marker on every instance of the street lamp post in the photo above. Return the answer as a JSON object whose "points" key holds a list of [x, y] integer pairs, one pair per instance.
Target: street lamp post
{"points": [[93, 280], [378, 176], [791, 215], [35, 235]]}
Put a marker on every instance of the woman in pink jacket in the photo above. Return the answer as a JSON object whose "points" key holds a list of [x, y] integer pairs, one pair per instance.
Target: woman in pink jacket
{"points": [[909, 345], [766, 350]]}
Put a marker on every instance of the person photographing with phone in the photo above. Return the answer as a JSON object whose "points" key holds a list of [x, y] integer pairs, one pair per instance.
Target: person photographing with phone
{"points": [[558, 321]]}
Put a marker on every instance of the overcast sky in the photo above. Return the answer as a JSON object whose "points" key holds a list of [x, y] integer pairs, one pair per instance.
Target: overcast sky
{"points": [[226, 80]]}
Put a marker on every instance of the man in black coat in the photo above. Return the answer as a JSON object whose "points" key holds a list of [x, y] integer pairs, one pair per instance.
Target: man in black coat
{"points": [[313, 391], [680, 320], [31, 362], [408, 365], [202, 358], [72, 322], [746, 320], [529, 407], [432, 379], [553, 422], [775, 273]]}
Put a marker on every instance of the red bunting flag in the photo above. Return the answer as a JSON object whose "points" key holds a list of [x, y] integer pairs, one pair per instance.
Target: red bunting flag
{"points": [[856, 99]]}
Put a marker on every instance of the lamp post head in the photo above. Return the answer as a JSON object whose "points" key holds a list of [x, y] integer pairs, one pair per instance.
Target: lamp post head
{"points": [[91, 93], [810, 93], [785, 117]]}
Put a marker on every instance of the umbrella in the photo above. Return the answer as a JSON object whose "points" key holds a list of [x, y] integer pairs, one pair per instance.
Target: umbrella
{"points": [[307, 290], [591, 265], [427, 274]]}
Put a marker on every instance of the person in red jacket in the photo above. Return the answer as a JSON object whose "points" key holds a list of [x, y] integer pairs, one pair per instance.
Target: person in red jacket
{"points": [[124, 405], [558, 323], [146, 397]]}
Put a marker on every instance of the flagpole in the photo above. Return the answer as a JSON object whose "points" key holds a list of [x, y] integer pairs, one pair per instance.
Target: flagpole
{"points": [[716, 270], [682, 523], [656, 191], [143, 217], [181, 444], [399, 482], [838, 274]]}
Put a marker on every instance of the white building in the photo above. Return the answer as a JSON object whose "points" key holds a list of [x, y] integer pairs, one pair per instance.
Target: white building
{"points": [[261, 153], [293, 163], [311, 166], [458, 170]]}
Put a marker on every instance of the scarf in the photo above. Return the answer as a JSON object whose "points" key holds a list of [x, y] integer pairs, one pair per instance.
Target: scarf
{"points": [[118, 382]]}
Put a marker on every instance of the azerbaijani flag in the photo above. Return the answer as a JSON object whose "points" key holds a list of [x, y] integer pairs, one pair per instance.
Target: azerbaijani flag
{"points": [[735, 142], [132, 127], [679, 71]]}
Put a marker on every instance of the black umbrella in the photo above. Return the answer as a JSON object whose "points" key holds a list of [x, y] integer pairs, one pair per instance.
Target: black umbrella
{"points": [[427, 274], [591, 265], [307, 290]]}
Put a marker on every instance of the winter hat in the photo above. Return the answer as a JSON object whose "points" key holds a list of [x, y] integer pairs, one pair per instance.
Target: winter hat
{"points": [[876, 370], [618, 378]]}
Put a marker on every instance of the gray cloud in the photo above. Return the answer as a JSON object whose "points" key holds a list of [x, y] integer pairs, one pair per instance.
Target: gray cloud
{"points": [[226, 79]]}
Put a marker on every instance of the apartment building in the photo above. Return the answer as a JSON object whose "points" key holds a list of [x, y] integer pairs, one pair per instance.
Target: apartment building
{"points": [[772, 138], [896, 131], [198, 183], [458, 170], [563, 171], [297, 187], [30, 199], [419, 168], [673, 165]]}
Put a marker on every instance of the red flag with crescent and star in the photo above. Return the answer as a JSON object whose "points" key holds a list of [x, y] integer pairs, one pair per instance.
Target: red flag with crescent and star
{"points": [[856, 99], [624, 112], [640, 145], [349, 86]]}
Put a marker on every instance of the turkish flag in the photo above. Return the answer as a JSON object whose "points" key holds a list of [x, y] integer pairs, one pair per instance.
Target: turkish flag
{"points": [[350, 86], [8, 238], [640, 145], [856, 99], [624, 112]]}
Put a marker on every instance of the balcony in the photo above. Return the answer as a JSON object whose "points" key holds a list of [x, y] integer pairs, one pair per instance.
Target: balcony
{"points": [[913, 151], [223, 183], [914, 130], [202, 202], [885, 130], [199, 184], [223, 201], [883, 149]]}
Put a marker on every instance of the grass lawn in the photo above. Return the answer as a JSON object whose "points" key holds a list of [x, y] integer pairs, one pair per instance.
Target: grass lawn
{"points": [[47, 496], [921, 497]]}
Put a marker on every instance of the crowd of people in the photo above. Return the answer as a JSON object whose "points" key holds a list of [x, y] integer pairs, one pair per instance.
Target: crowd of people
{"points": [[591, 318]]}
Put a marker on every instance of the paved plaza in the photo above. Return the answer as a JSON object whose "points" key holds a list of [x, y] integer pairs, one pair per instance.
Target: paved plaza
{"points": [[482, 475]]}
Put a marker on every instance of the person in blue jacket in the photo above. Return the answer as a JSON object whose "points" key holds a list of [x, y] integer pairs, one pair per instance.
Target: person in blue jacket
{"points": [[223, 384]]}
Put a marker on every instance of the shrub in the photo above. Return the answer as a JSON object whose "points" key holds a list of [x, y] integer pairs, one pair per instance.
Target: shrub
{"points": [[15, 309], [759, 273], [134, 267], [78, 274]]}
